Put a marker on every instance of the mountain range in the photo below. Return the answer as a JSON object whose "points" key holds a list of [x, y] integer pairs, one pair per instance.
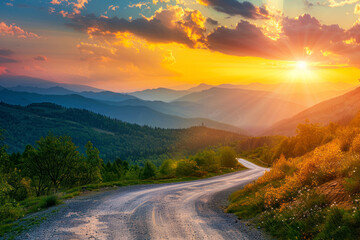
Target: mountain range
{"points": [[254, 108], [337, 110], [114, 138]]}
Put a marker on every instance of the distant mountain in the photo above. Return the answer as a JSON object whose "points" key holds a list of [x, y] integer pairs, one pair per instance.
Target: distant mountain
{"points": [[9, 81], [133, 114], [114, 138], [160, 94], [103, 95], [338, 109], [181, 109], [200, 87], [48, 91], [244, 108], [107, 96]]}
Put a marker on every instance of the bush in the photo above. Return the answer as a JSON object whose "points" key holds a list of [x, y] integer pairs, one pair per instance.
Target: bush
{"points": [[338, 226], [186, 168], [49, 201], [168, 167], [228, 157], [149, 170], [10, 212]]}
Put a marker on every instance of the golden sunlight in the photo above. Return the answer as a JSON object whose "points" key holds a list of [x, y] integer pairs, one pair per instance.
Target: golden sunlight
{"points": [[301, 65]]}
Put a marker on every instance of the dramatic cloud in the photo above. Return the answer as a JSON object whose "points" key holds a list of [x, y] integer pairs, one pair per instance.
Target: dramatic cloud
{"points": [[303, 37], [245, 40], [40, 58], [6, 52], [173, 24], [233, 7], [13, 30]]}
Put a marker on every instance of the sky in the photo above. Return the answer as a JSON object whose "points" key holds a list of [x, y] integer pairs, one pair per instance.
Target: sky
{"points": [[128, 45]]}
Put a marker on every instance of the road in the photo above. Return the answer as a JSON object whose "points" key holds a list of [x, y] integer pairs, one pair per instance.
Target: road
{"points": [[187, 210]]}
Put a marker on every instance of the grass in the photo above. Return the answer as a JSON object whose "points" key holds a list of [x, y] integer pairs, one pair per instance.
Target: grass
{"points": [[11, 227]]}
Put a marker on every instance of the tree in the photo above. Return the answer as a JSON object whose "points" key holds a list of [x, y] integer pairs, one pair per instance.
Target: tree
{"points": [[93, 164], [186, 167], [168, 167], [55, 160], [149, 170], [228, 157], [207, 161]]}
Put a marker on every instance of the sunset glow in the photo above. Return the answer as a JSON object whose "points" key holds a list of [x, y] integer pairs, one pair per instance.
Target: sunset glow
{"points": [[136, 45]]}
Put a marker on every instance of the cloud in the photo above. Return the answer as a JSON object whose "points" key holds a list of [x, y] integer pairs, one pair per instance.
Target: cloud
{"points": [[173, 24], [40, 58], [7, 60], [334, 3], [6, 52], [302, 38], [245, 40], [76, 5], [13, 30], [357, 9], [233, 7], [212, 21]]}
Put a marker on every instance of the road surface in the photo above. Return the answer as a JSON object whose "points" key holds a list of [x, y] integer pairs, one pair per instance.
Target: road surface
{"points": [[187, 210]]}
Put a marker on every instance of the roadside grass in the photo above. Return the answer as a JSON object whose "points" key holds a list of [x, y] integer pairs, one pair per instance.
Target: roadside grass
{"points": [[15, 223]]}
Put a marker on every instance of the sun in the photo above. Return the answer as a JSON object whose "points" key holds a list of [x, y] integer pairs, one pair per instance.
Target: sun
{"points": [[301, 65]]}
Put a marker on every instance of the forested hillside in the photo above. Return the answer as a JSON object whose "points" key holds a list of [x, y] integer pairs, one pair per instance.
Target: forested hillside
{"points": [[114, 138], [313, 188]]}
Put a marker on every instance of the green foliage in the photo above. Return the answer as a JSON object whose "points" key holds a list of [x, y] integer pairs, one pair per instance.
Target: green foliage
{"points": [[207, 160], [113, 138], [168, 167], [228, 157], [52, 163], [149, 170], [186, 167], [49, 201]]}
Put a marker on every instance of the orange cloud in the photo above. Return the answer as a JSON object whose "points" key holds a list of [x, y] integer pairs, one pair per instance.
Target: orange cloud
{"points": [[357, 9], [173, 24], [15, 31]]}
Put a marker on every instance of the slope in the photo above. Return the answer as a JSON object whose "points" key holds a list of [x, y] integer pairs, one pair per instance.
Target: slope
{"points": [[133, 114], [339, 110], [114, 138]]}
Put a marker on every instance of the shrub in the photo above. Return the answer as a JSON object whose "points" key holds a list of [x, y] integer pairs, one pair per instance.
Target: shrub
{"points": [[228, 157], [355, 146], [337, 226], [168, 167], [10, 212], [186, 168], [149, 170], [49, 201]]}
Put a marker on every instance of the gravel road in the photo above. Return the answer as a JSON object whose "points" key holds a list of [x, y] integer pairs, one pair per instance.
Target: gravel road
{"points": [[187, 210]]}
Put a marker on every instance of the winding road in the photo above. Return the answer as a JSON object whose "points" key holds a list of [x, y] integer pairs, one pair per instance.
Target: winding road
{"points": [[186, 210]]}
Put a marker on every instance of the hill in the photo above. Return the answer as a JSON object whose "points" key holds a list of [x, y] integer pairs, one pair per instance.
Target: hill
{"points": [[9, 81], [114, 138], [160, 94], [247, 109], [338, 110], [141, 115]]}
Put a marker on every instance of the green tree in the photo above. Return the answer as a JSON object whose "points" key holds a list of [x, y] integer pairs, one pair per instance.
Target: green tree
{"points": [[168, 167], [186, 167], [55, 160], [93, 164], [149, 170], [228, 157]]}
